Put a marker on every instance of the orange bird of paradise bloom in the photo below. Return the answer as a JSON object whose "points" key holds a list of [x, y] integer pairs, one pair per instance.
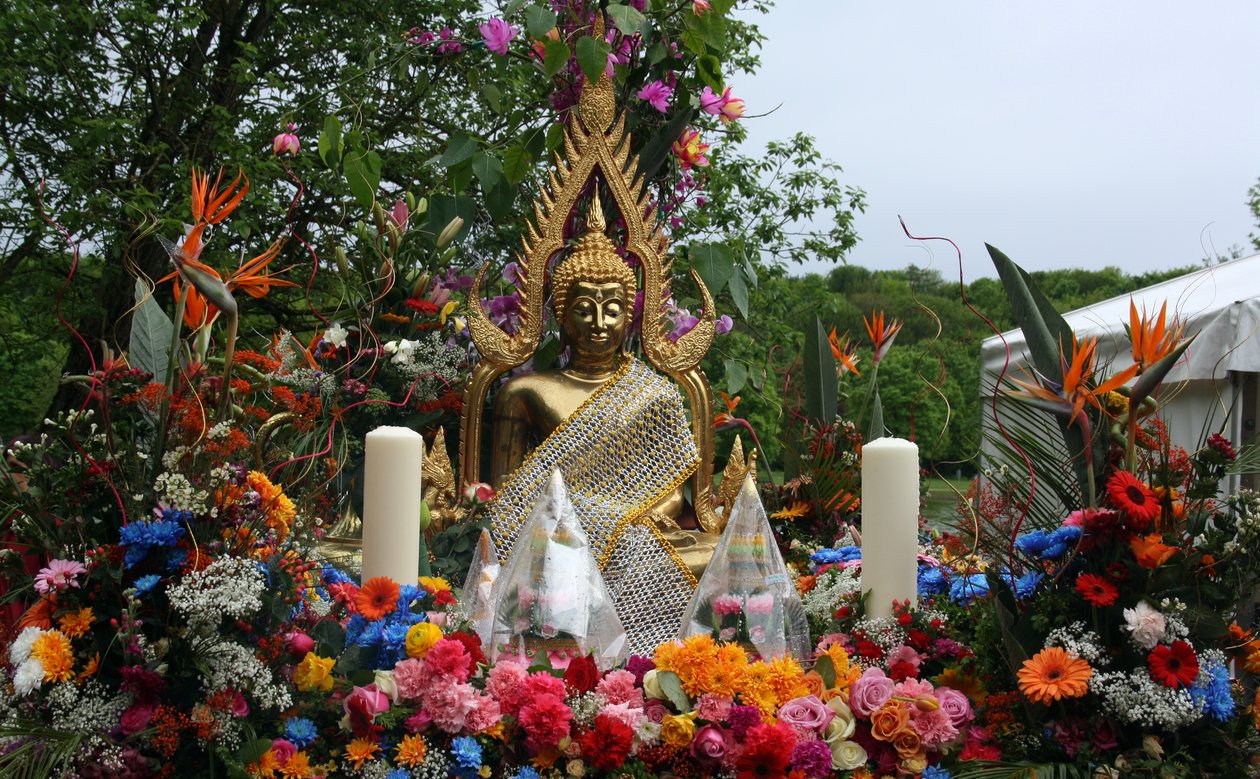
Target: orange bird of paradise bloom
{"points": [[726, 417], [211, 204], [1152, 340], [882, 335], [845, 352], [1075, 390]]}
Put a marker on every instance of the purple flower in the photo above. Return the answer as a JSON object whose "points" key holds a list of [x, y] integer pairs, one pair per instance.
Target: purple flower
{"points": [[497, 34], [723, 325], [812, 758], [639, 665], [656, 94], [742, 718], [448, 45]]}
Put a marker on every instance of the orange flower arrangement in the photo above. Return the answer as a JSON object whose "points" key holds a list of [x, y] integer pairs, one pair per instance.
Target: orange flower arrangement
{"points": [[1052, 674]]}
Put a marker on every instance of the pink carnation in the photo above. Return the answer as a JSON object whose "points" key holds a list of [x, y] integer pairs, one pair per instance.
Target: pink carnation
{"points": [[412, 678], [630, 716], [934, 727], [546, 721], [450, 705], [904, 654], [913, 688], [506, 682], [541, 683], [484, 715], [619, 687], [449, 656], [714, 708]]}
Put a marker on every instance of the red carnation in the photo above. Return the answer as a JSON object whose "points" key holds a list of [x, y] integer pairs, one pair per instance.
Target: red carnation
{"points": [[472, 644], [607, 745], [767, 750], [582, 675], [1097, 590], [1174, 665]]}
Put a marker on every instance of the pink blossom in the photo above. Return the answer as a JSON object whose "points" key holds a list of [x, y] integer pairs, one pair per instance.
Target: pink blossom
{"points": [[913, 688], [904, 654], [299, 644], [656, 711], [726, 604], [542, 683], [399, 213], [761, 604], [700, 6], [713, 707], [656, 94], [619, 687], [485, 714], [956, 705], [807, 713], [630, 716], [450, 703], [136, 717], [723, 106], [497, 34], [412, 676], [418, 721], [724, 323], [59, 575], [506, 682], [711, 744], [934, 727], [545, 721], [448, 45], [283, 750], [240, 707], [286, 143], [449, 657], [374, 701]]}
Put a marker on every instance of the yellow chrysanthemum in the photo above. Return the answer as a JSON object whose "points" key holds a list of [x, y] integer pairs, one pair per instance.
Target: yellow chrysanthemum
{"points": [[434, 584], [52, 649], [76, 623], [666, 655], [411, 751], [298, 766], [725, 678], [758, 689], [266, 766], [361, 750], [787, 677]]}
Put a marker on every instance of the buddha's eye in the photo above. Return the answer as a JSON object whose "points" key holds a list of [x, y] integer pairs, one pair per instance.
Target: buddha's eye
{"points": [[613, 308], [584, 309]]}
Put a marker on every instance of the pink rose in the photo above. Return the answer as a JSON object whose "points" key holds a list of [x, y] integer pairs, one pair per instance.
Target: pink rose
{"points": [[283, 750], [299, 644], [656, 711], [807, 713], [870, 691], [136, 718], [956, 705], [710, 745], [240, 707], [371, 700]]}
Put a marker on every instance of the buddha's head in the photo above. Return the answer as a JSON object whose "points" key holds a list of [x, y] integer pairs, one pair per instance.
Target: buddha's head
{"points": [[593, 292]]}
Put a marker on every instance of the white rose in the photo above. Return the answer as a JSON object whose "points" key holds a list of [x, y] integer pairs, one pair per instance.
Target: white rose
{"points": [[847, 756], [652, 686], [336, 335], [842, 725], [384, 681], [1145, 624]]}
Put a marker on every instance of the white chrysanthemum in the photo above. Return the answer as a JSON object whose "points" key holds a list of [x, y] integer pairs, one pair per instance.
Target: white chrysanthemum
{"points": [[29, 676], [20, 650]]}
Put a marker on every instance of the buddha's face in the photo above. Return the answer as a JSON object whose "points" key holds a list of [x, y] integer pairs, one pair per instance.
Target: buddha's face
{"points": [[596, 318]]}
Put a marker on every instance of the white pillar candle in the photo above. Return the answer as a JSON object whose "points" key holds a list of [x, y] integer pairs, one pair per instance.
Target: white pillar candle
{"points": [[890, 524], [391, 504]]}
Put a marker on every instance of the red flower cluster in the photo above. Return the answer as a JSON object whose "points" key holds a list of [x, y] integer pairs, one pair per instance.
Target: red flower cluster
{"points": [[1096, 589], [607, 745], [1174, 665]]}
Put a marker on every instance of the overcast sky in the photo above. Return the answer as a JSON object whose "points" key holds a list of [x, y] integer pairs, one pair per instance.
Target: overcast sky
{"points": [[1066, 133]]}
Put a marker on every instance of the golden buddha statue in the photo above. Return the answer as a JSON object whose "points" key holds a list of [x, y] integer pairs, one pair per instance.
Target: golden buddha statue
{"points": [[615, 427]]}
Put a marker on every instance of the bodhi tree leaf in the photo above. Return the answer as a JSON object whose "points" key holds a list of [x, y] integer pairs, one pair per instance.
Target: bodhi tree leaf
{"points": [[539, 21], [516, 162], [714, 263], [627, 19], [555, 57], [363, 175], [739, 292], [592, 56], [330, 141], [488, 170], [736, 375], [459, 149]]}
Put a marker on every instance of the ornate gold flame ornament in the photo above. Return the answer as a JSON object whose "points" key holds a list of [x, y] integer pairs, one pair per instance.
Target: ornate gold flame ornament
{"points": [[440, 490], [596, 154]]}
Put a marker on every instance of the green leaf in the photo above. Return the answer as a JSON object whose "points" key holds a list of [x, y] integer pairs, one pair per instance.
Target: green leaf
{"points": [[460, 148], [363, 175], [539, 21], [494, 97], [627, 19], [709, 68], [516, 163], [656, 150], [714, 263], [876, 427], [488, 170], [444, 208], [826, 669], [151, 331], [820, 375], [331, 142], [500, 199], [671, 685], [751, 271], [736, 375], [592, 56], [555, 56], [739, 293]]}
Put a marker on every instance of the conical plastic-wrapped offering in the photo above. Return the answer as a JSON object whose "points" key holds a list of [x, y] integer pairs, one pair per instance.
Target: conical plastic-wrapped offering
{"points": [[478, 595], [551, 597], [746, 594]]}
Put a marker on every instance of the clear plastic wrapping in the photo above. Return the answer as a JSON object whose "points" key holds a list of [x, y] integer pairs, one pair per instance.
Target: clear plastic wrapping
{"points": [[746, 594], [478, 594], [551, 597]]}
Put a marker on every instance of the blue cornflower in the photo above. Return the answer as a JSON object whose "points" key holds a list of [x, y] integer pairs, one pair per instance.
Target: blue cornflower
{"points": [[964, 589], [371, 634], [1060, 541], [355, 627], [932, 581], [398, 773], [935, 772], [408, 593], [145, 584], [300, 731], [1212, 694], [141, 536], [527, 772], [1026, 585], [467, 754], [1033, 543], [330, 574], [841, 554]]}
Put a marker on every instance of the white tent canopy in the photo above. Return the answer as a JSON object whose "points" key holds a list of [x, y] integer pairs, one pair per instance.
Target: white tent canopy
{"points": [[1219, 371]]}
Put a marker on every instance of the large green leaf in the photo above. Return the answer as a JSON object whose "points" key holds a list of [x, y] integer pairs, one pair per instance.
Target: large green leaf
{"points": [[627, 19], [656, 149], [460, 148], [714, 263], [671, 685], [739, 292], [555, 56], [592, 56], [539, 20], [736, 374], [330, 141], [363, 175], [820, 375], [488, 170], [516, 163], [151, 331]]}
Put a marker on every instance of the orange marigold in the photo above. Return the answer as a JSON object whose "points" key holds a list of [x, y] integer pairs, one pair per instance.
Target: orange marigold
{"points": [[53, 650], [411, 751], [280, 510], [76, 623], [1052, 674], [298, 766], [361, 750]]}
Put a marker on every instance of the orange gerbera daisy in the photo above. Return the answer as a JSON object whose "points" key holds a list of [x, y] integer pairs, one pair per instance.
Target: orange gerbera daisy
{"points": [[1052, 674], [1132, 497], [378, 597]]}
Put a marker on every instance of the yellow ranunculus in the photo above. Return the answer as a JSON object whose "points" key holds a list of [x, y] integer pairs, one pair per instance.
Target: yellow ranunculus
{"points": [[677, 730], [421, 637], [314, 673]]}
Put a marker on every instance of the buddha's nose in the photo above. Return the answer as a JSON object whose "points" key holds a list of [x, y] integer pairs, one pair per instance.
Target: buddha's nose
{"points": [[599, 319]]}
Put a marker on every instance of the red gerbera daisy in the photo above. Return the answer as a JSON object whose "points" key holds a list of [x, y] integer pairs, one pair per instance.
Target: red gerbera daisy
{"points": [[1174, 665], [1097, 590], [1132, 497], [377, 597]]}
